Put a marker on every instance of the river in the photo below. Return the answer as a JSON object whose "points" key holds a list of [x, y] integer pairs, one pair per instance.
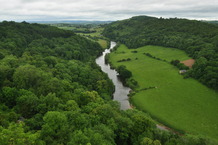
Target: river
{"points": [[121, 92]]}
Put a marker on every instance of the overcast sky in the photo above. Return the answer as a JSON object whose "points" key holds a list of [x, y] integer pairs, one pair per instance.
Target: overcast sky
{"points": [[28, 10]]}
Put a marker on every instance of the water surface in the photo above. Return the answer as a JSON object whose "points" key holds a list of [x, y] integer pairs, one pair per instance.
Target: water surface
{"points": [[121, 91]]}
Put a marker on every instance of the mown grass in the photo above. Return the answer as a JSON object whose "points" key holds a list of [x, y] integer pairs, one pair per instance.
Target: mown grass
{"points": [[183, 104]]}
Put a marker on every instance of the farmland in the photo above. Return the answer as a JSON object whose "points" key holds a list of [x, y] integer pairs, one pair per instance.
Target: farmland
{"points": [[91, 31], [183, 104]]}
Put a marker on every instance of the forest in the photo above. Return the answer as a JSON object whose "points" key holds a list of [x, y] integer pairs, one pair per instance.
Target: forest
{"points": [[196, 38], [52, 92]]}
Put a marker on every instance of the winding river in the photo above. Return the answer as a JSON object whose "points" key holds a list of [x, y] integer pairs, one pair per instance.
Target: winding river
{"points": [[121, 91]]}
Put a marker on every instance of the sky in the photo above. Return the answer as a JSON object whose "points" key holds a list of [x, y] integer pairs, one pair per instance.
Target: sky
{"points": [[104, 10]]}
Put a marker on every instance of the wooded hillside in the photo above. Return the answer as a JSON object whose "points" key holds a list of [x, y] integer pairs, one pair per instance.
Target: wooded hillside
{"points": [[52, 92], [198, 39]]}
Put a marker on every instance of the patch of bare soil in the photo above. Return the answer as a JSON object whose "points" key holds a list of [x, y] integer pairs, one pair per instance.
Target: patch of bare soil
{"points": [[188, 62]]}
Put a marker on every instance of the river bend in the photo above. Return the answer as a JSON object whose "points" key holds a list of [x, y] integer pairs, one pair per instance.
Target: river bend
{"points": [[121, 92]]}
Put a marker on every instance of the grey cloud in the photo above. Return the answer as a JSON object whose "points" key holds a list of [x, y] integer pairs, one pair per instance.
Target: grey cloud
{"points": [[105, 9]]}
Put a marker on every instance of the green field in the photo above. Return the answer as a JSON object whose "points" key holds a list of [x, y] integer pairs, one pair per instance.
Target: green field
{"points": [[103, 43], [97, 33], [182, 104], [67, 28]]}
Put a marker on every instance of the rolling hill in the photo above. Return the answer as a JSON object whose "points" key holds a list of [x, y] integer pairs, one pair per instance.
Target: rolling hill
{"points": [[198, 39]]}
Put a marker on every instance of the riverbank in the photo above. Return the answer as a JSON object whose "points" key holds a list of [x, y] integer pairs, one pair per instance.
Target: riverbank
{"points": [[183, 104], [121, 91]]}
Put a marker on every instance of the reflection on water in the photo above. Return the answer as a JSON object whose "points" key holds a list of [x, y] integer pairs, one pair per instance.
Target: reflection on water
{"points": [[121, 91]]}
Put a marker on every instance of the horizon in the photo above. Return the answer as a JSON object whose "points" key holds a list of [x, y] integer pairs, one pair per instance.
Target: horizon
{"points": [[88, 20], [100, 10]]}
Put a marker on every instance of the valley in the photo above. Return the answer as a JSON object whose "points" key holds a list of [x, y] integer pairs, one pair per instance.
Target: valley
{"points": [[54, 90], [183, 104]]}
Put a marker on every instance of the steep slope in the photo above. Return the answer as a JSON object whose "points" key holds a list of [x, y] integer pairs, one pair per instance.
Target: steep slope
{"points": [[52, 92], [19, 37], [198, 39]]}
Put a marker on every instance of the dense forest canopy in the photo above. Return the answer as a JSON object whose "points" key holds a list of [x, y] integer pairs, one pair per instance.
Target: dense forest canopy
{"points": [[198, 39], [52, 92]]}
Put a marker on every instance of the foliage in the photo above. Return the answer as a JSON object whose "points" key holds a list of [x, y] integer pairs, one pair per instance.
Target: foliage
{"points": [[165, 94], [198, 39], [179, 65], [52, 92], [124, 74], [15, 134]]}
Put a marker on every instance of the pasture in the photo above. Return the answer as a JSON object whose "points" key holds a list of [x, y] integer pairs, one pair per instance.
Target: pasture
{"points": [[103, 43], [183, 104]]}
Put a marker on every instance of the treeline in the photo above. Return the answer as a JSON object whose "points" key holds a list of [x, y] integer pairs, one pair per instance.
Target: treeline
{"points": [[87, 31], [52, 92], [198, 39]]}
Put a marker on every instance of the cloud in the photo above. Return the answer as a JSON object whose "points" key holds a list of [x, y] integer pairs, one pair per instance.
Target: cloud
{"points": [[20, 10]]}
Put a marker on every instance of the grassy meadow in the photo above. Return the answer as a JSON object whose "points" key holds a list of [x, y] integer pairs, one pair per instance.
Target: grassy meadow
{"points": [[97, 33], [182, 104], [67, 28], [103, 43]]}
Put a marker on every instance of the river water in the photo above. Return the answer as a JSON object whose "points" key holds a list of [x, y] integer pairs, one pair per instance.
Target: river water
{"points": [[121, 92]]}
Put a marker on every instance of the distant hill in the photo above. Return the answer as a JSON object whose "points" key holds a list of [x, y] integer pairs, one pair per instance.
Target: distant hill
{"points": [[213, 22], [71, 22], [198, 39], [15, 36]]}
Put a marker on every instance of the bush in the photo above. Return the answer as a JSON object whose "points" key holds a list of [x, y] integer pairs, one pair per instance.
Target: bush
{"points": [[124, 74]]}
